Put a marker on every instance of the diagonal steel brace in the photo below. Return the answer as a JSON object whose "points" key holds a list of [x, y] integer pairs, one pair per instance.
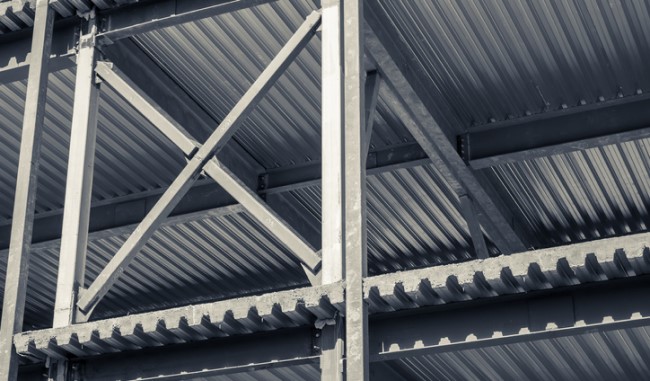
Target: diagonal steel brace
{"points": [[90, 297]]}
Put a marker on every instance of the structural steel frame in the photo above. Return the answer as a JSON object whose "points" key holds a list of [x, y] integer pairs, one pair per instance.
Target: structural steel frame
{"points": [[341, 295]]}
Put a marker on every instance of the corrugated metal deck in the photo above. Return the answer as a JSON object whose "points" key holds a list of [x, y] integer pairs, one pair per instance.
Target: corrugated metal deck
{"points": [[131, 157], [491, 61]]}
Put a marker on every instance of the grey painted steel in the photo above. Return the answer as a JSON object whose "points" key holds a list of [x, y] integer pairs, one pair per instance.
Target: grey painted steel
{"points": [[392, 158], [332, 143], [373, 81], [76, 216], [434, 141], [190, 173], [121, 212], [560, 132], [141, 18], [356, 260], [272, 311], [265, 215], [118, 23], [563, 266], [469, 213], [541, 347], [21, 230], [205, 195], [481, 64], [47, 225]]}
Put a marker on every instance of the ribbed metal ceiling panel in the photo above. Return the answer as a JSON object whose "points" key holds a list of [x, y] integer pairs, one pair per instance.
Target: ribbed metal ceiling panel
{"points": [[215, 60], [131, 156], [584, 195], [55, 142], [487, 60], [413, 220]]}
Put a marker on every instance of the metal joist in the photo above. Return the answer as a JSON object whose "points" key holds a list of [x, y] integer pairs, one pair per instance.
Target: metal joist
{"points": [[613, 316], [127, 21], [562, 266], [566, 313], [560, 132]]}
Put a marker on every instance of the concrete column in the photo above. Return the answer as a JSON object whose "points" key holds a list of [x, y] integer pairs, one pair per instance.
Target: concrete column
{"points": [[23, 215]]}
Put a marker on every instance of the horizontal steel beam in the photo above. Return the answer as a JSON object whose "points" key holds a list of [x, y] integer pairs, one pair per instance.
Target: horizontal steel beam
{"points": [[115, 24], [15, 52], [209, 358], [534, 317], [559, 132], [205, 195], [146, 16], [387, 159], [117, 213]]}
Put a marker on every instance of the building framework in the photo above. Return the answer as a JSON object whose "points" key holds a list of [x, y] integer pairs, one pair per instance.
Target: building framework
{"points": [[334, 190]]}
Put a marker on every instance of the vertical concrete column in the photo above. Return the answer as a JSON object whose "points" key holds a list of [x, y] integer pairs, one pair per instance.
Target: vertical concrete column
{"points": [[74, 237], [23, 214], [356, 310], [344, 187], [333, 202]]}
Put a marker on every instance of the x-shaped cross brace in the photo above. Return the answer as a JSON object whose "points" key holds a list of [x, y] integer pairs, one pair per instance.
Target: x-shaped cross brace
{"points": [[202, 158]]}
